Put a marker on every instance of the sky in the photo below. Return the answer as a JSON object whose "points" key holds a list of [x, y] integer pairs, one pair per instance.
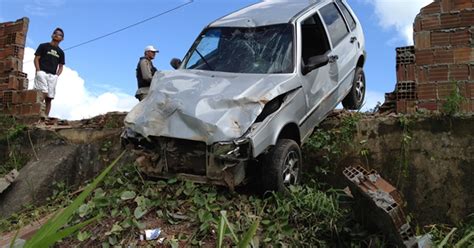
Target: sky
{"points": [[99, 76]]}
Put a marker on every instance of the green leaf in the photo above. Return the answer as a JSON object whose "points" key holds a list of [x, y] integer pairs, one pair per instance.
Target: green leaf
{"points": [[127, 195], [83, 236], [221, 229], [139, 212], [60, 219], [248, 236]]}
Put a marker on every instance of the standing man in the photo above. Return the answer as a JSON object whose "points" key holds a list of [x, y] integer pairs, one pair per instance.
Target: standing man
{"points": [[49, 61], [145, 71]]}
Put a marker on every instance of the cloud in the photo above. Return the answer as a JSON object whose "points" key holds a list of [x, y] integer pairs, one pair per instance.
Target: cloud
{"points": [[73, 100], [43, 7], [399, 14]]}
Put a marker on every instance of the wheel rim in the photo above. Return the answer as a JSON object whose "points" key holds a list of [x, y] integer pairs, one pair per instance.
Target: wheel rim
{"points": [[291, 168], [360, 87]]}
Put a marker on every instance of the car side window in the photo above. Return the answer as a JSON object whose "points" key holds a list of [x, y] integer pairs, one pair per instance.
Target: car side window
{"points": [[349, 18], [314, 39], [336, 26]]}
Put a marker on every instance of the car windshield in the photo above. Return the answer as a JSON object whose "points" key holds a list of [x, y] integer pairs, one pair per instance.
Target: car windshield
{"points": [[265, 50]]}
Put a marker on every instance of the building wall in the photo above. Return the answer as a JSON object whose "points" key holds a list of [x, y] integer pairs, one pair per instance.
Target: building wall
{"points": [[441, 60], [15, 98]]}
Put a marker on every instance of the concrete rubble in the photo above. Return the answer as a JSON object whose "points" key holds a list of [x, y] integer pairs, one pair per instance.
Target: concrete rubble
{"points": [[6, 181]]}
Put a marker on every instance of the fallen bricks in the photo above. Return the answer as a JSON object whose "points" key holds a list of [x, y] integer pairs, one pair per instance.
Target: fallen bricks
{"points": [[382, 204], [9, 178]]}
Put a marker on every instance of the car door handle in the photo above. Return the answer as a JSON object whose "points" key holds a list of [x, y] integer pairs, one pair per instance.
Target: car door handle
{"points": [[353, 39], [333, 58]]}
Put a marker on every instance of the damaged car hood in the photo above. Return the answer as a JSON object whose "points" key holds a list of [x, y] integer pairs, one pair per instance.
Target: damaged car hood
{"points": [[205, 106]]}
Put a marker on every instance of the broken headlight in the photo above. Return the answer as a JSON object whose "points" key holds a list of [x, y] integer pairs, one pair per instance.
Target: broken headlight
{"points": [[234, 151]]}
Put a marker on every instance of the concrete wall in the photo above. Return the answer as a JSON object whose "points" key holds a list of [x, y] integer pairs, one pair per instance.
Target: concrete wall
{"points": [[430, 160]]}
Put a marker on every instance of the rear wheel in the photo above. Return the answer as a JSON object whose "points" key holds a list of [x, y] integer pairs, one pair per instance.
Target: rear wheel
{"points": [[355, 98], [282, 166]]}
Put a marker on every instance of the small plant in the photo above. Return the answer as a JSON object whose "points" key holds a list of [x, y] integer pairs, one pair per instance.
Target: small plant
{"points": [[453, 101], [405, 123]]}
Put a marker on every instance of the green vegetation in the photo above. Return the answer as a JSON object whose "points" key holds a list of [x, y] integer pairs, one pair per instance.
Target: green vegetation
{"points": [[458, 237], [11, 155], [332, 145], [453, 101], [405, 123]]}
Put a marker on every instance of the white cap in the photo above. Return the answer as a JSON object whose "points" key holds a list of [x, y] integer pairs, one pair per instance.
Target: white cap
{"points": [[150, 48]]}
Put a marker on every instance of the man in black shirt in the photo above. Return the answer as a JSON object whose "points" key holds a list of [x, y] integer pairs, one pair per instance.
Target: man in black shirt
{"points": [[49, 61], [145, 71]]}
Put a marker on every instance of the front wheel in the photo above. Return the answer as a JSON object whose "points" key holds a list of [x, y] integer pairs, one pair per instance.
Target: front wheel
{"points": [[355, 98], [282, 166]]}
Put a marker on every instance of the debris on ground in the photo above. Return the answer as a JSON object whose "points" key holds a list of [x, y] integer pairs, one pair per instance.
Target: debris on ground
{"points": [[376, 196], [8, 179]]}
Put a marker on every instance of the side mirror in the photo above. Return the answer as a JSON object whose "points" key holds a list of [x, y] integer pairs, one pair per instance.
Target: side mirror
{"points": [[175, 63], [315, 62]]}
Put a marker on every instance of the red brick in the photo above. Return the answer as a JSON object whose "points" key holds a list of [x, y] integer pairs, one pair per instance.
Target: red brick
{"points": [[422, 74], [471, 72], [410, 72], [458, 72], [430, 22], [430, 105], [32, 96], [426, 91], [464, 55], [25, 109], [443, 56], [463, 4], [424, 57], [401, 106], [440, 39], [401, 73], [37, 108], [423, 40], [446, 89], [438, 73], [446, 5], [461, 38], [470, 90], [16, 97], [467, 18], [417, 25], [432, 8], [451, 20]]}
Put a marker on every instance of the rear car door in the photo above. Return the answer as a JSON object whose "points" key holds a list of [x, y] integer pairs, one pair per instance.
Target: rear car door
{"points": [[344, 49]]}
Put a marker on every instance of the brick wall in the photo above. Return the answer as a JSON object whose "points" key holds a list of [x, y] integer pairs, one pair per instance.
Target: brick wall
{"points": [[15, 98], [441, 60]]}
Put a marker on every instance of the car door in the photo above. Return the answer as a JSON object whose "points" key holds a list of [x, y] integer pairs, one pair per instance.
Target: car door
{"points": [[318, 83], [344, 49]]}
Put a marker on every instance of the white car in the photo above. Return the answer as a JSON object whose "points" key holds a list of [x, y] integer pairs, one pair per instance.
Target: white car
{"points": [[249, 92]]}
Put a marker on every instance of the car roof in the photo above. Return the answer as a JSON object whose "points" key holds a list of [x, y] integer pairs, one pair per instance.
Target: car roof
{"points": [[267, 12]]}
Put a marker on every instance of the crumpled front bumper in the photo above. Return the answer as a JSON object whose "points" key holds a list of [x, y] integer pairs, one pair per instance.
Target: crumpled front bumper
{"points": [[222, 163]]}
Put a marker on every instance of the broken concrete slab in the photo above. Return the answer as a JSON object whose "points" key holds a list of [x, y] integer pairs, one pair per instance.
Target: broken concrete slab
{"points": [[8, 180]]}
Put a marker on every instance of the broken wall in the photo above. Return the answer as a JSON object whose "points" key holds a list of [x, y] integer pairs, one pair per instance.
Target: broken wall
{"points": [[441, 61], [15, 98], [430, 159]]}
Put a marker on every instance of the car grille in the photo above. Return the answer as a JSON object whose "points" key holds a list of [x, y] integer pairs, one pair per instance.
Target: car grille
{"points": [[186, 156]]}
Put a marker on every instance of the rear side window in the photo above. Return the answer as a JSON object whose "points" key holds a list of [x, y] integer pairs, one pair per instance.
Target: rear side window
{"points": [[347, 15], [337, 28]]}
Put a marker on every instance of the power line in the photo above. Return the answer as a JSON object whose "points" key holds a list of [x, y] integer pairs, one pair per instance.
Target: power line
{"points": [[127, 27]]}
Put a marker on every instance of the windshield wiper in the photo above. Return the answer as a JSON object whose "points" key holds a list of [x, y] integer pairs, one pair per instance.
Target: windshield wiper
{"points": [[205, 61]]}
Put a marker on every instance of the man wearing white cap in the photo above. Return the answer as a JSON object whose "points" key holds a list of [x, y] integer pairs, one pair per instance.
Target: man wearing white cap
{"points": [[145, 71]]}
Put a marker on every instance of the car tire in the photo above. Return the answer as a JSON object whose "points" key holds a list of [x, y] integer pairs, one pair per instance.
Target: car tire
{"points": [[355, 98], [282, 166]]}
